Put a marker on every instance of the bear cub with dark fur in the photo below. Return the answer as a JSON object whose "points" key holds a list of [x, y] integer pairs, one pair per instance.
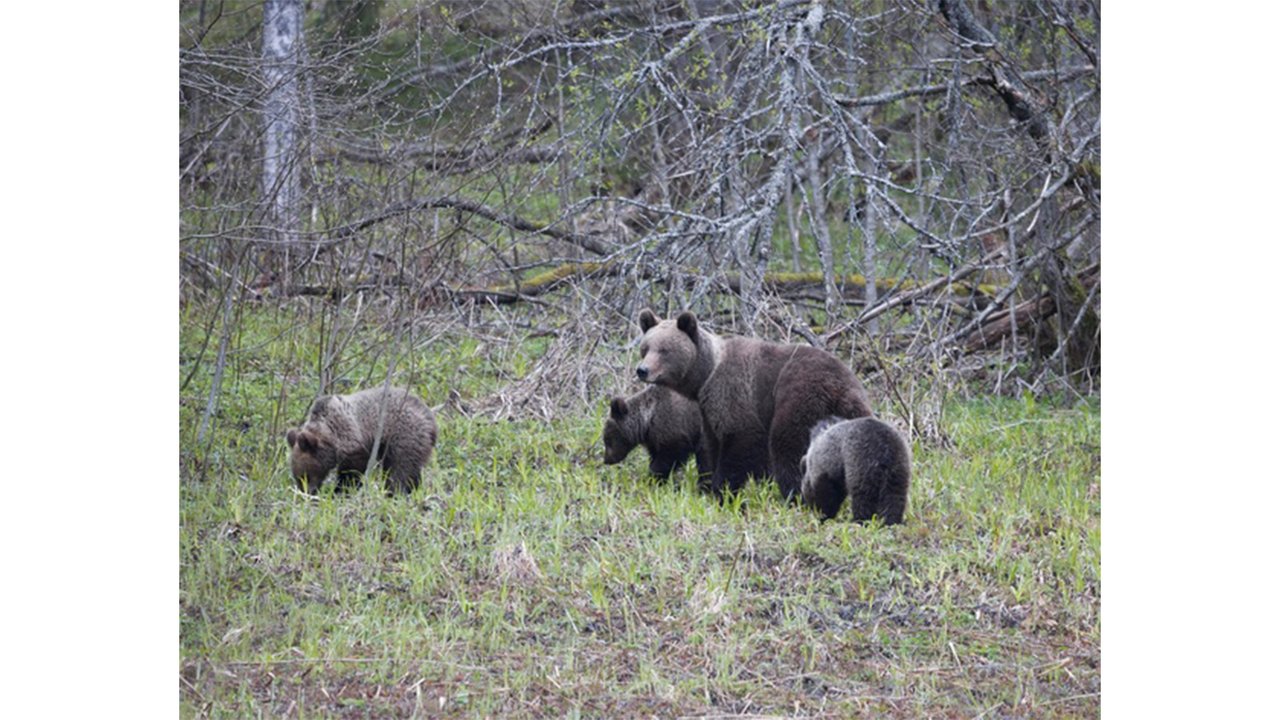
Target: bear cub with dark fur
{"points": [[758, 399], [340, 434], [866, 460], [666, 423]]}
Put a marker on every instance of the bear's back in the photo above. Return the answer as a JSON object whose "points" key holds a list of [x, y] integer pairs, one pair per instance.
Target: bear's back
{"points": [[871, 444], [406, 415], [762, 370]]}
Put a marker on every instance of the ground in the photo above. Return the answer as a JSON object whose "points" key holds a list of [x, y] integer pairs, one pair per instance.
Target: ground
{"points": [[526, 578]]}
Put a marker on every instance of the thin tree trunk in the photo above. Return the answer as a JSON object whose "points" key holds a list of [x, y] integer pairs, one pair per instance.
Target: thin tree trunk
{"points": [[922, 209], [281, 59], [793, 231], [868, 224], [867, 221], [821, 233]]}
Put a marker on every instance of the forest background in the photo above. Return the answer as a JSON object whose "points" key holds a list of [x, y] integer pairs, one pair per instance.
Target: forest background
{"points": [[101, 331], [475, 200]]}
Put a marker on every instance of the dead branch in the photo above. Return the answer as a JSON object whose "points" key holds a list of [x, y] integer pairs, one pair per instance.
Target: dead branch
{"points": [[1059, 75], [508, 219]]}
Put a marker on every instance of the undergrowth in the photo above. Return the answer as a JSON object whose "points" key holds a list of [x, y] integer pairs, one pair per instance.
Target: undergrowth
{"points": [[526, 578]]}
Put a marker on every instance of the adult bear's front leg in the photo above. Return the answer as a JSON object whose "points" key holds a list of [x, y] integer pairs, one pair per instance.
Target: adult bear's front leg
{"points": [[704, 460], [708, 460]]}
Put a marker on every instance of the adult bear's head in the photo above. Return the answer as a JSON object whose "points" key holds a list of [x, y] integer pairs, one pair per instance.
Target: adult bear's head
{"points": [[669, 348]]}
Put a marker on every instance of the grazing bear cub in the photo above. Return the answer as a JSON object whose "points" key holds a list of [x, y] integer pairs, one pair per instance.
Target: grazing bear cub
{"points": [[865, 459], [665, 422], [343, 431], [758, 398]]}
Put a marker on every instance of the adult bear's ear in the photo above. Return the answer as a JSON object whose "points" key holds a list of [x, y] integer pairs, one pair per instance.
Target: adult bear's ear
{"points": [[306, 441], [618, 408], [688, 324], [647, 319], [319, 406], [291, 437]]}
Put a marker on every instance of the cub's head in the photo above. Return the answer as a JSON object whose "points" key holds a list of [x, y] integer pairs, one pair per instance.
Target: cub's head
{"points": [[620, 437], [312, 456], [819, 447], [668, 349], [809, 477]]}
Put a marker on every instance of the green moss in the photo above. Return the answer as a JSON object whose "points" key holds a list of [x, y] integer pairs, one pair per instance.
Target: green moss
{"points": [[545, 279], [774, 280]]}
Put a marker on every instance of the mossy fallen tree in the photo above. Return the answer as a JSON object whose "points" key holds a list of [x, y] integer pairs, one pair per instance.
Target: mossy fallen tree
{"points": [[786, 285], [789, 285]]}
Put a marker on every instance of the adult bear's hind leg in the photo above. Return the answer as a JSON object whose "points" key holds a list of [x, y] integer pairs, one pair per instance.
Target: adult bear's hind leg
{"points": [[788, 442], [741, 456]]}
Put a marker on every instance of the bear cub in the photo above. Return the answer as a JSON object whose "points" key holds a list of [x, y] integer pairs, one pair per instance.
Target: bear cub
{"points": [[865, 459], [666, 423], [341, 433]]}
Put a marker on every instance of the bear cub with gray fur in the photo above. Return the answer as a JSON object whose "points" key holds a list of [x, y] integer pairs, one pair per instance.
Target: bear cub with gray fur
{"points": [[341, 432], [666, 423], [758, 398], [865, 459]]}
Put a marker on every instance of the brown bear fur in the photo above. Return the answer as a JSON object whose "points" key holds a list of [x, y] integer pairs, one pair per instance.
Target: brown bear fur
{"points": [[866, 460], [665, 422], [343, 431], [758, 399]]}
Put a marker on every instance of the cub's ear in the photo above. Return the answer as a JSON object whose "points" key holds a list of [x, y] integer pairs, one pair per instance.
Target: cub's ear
{"points": [[618, 408], [647, 319], [688, 324], [291, 437]]}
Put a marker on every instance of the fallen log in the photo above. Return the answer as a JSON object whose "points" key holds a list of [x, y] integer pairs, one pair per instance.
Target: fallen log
{"points": [[784, 284], [1000, 325], [787, 285]]}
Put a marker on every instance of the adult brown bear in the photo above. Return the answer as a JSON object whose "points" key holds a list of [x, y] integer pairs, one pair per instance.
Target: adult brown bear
{"points": [[665, 422], [865, 460], [758, 399], [343, 432]]}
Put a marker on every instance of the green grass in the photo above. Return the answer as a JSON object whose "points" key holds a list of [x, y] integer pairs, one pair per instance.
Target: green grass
{"points": [[642, 598]]}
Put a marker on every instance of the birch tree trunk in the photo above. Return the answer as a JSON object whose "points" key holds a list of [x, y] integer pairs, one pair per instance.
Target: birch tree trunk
{"points": [[822, 235], [875, 161], [869, 230], [282, 51]]}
